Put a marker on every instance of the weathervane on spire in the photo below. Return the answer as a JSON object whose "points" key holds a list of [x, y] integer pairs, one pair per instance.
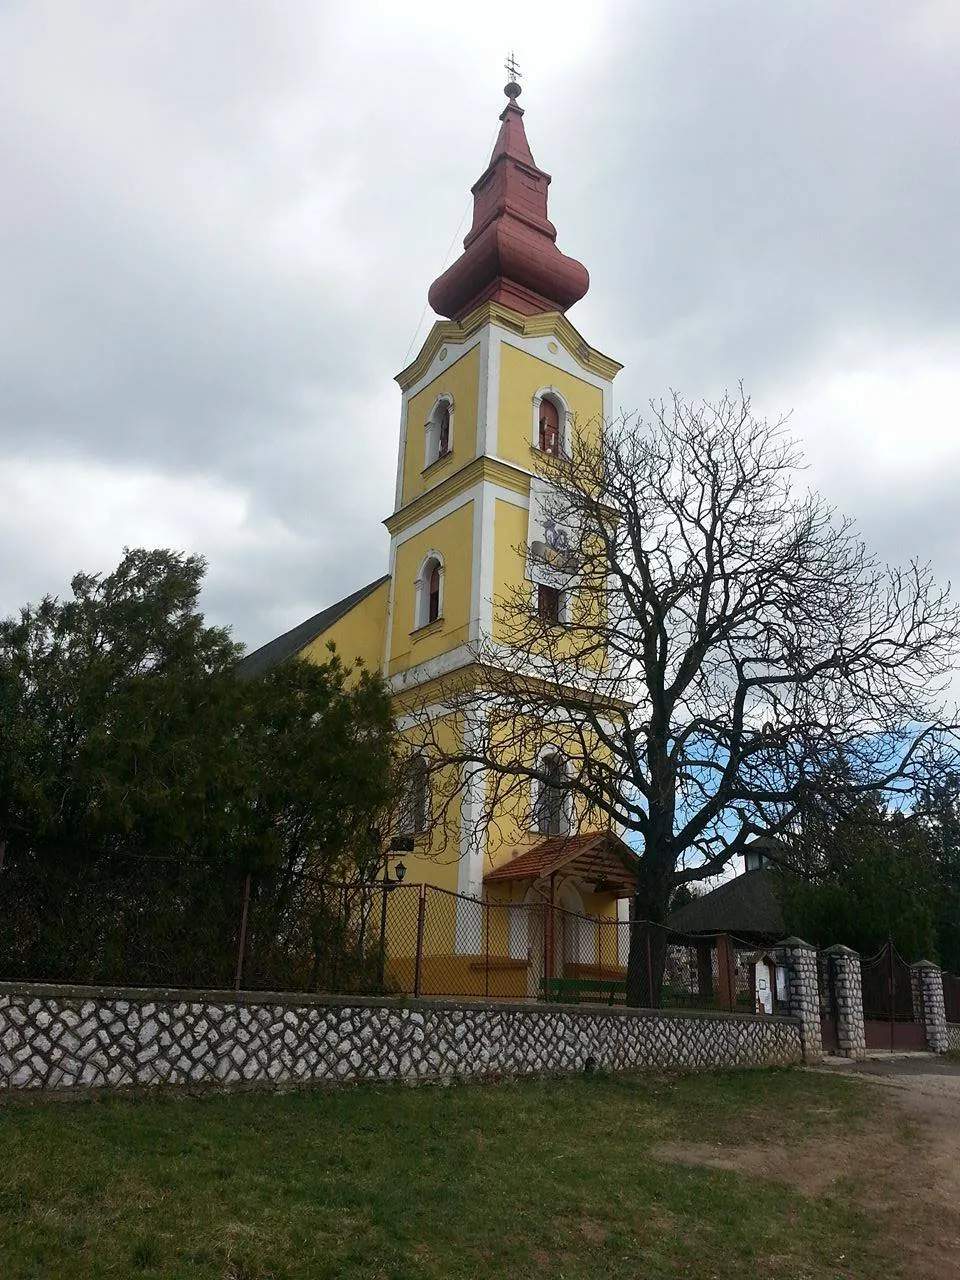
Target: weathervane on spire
{"points": [[512, 88]]}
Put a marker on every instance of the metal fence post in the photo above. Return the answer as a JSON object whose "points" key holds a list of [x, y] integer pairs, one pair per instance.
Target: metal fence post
{"points": [[382, 958], [242, 946], [547, 949], [418, 963], [340, 936], [891, 979], [485, 907]]}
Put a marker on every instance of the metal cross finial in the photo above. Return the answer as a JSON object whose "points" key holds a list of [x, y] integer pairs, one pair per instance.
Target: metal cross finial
{"points": [[511, 68]]}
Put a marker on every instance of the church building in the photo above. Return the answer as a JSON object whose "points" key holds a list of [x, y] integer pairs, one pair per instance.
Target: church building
{"points": [[501, 383]]}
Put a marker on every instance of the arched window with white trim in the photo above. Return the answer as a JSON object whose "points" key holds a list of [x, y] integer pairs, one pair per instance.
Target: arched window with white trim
{"points": [[429, 591], [438, 431], [551, 423]]}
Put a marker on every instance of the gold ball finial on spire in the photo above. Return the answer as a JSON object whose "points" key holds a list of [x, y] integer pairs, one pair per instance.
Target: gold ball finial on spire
{"points": [[512, 87]]}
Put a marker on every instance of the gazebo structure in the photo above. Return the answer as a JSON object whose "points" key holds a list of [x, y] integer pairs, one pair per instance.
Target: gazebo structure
{"points": [[738, 922]]}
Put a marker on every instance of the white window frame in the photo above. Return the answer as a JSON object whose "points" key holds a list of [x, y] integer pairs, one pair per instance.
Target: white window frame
{"points": [[563, 413], [567, 798], [431, 431], [421, 603]]}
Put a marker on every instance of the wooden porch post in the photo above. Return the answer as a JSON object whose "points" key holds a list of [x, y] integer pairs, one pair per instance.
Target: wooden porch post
{"points": [[725, 982], [548, 935], [704, 970]]}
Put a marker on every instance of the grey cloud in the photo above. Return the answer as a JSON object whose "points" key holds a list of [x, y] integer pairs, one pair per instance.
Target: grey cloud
{"points": [[771, 175], [218, 227]]}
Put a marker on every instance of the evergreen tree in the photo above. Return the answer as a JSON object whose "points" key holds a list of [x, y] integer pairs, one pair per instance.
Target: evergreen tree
{"points": [[141, 782], [938, 812], [859, 877]]}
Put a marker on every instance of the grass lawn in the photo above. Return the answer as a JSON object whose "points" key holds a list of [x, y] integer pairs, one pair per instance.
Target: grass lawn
{"points": [[738, 1175]]}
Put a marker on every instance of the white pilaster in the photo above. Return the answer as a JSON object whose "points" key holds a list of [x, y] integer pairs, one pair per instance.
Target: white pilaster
{"points": [[472, 844]]}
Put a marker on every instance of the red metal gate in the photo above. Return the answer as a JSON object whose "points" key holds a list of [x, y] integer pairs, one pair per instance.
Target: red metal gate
{"points": [[889, 1017], [951, 997]]}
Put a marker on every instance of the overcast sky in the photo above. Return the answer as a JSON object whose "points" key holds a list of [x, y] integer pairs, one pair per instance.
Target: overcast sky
{"points": [[219, 220]]}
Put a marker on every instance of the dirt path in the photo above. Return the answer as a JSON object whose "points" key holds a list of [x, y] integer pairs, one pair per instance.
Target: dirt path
{"points": [[905, 1170], [924, 1176]]}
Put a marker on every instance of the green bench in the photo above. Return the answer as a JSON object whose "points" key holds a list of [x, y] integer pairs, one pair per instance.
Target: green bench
{"points": [[584, 990]]}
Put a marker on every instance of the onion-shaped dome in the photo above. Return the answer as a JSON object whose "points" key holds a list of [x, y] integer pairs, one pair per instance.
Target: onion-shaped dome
{"points": [[510, 254]]}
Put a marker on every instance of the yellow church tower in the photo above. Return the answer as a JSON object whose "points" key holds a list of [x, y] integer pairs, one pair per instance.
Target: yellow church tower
{"points": [[503, 376]]}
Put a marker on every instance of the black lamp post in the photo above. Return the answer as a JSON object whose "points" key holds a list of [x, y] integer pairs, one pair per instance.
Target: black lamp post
{"points": [[400, 871]]}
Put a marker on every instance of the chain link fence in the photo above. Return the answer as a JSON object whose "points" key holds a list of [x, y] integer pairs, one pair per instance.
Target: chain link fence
{"points": [[423, 941], [196, 927]]}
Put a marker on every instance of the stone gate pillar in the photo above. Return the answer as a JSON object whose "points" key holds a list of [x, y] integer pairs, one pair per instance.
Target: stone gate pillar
{"points": [[926, 981], [848, 995], [803, 996]]}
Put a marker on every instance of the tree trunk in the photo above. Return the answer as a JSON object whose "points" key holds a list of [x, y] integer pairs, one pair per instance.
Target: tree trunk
{"points": [[648, 937]]}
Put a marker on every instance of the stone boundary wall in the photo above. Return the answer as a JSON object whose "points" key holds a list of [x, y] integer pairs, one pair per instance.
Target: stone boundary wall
{"points": [[953, 1037], [75, 1038]]}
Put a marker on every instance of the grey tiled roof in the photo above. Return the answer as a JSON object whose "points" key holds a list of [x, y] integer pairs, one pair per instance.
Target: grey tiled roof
{"points": [[747, 905], [291, 642]]}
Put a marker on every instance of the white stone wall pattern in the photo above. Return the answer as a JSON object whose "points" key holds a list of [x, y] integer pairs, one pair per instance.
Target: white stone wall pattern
{"points": [[799, 959], [848, 994], [928, 979], [70, 1038]]}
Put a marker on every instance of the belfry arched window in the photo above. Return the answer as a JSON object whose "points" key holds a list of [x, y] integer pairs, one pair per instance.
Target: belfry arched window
{"points": [[438, 441], [548, 434], [429, 591], [551, 423]]}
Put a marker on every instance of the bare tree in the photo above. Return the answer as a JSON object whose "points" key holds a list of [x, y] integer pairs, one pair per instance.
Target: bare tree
{"points": [[714, 641]]}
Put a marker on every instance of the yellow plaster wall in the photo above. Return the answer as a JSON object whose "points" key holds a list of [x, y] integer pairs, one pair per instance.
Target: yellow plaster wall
{"points": [[461, 380], [521, 377], [490, 970], [436, 856], [510, 533], [452, 536], [513, 830], [361, 633]]}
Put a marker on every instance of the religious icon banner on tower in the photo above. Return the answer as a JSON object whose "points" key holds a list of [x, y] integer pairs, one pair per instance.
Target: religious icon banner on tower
{"points": [[553, 537]]}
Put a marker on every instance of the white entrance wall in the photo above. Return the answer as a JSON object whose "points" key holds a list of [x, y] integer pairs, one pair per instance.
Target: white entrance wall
{"points": [[764, 973], [577, 936]]}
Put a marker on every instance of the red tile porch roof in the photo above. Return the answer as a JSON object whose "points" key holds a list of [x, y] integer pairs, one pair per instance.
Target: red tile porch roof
{"points": [[596, 855]]}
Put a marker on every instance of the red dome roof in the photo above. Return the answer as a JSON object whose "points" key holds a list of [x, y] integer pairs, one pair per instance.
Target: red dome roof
{"points": [[510, 254]]}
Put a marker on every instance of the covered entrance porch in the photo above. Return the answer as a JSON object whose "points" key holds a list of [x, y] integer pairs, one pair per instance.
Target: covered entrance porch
{"points": [[569, 925]]}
